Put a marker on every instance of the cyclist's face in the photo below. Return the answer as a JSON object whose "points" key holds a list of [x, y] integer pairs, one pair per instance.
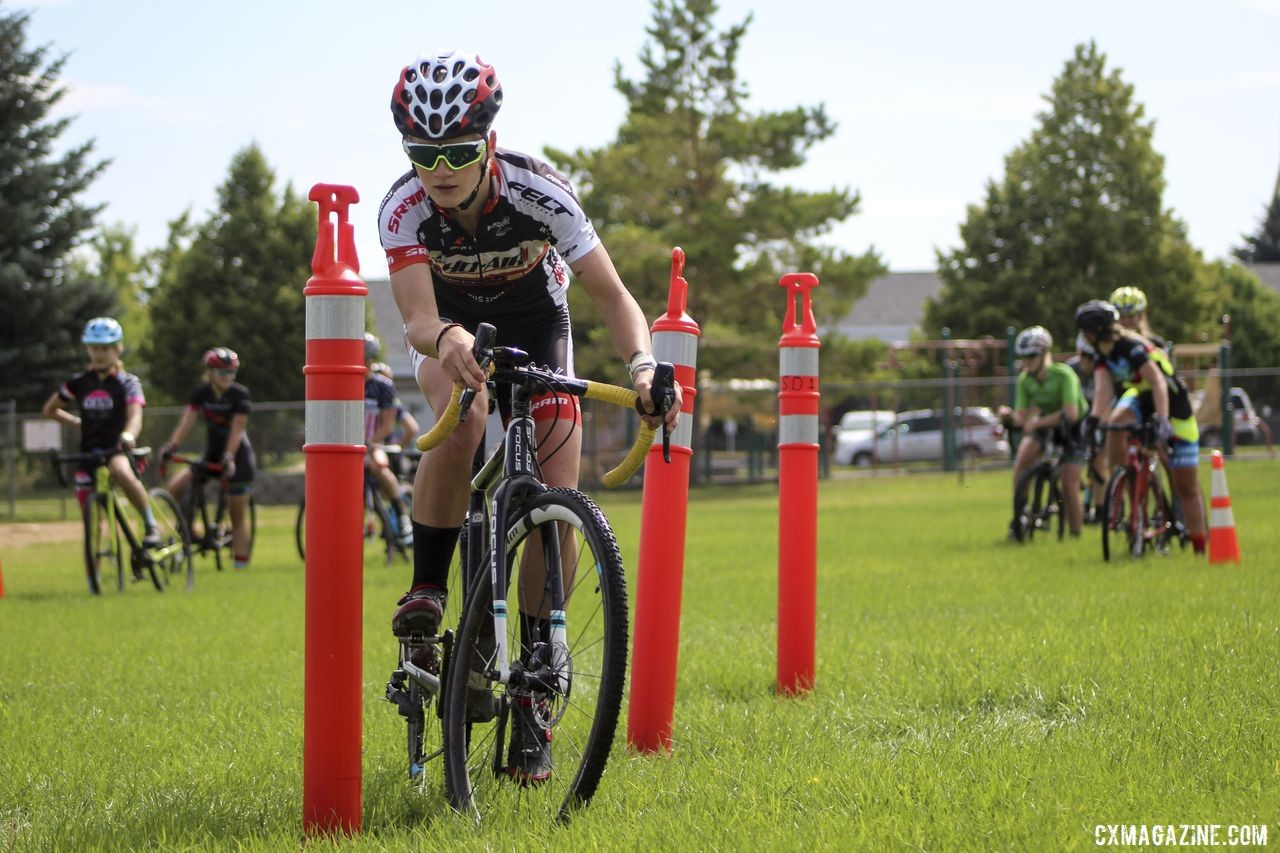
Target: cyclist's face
{"points": [[1132, 321], [449, 187], [103, 356], [222, 379]]}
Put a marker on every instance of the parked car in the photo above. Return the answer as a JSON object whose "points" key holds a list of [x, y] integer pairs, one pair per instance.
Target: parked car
{"points": [[853, 428], [1247, 424], [917, 436]]}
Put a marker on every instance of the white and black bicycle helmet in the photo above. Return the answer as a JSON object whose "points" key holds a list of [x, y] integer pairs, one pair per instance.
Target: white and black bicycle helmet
{"points": [[1033, 340], [447, 95]]}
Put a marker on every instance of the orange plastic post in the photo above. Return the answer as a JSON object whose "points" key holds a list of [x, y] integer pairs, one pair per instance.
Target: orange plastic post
{"points": [[798, 398], [334, 450], [1, 582], [1224, 547], [664, 511]]}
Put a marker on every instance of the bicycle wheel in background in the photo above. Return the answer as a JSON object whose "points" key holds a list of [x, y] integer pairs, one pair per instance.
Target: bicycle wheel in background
{"points": [[176, 564], [587, 667], [1116, 513], [300, 531], [1029, 496], [102, 549]]}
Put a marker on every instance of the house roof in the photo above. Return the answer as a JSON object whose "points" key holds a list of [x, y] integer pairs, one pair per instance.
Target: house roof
{"points": [[892, 307], [1268, 274]]}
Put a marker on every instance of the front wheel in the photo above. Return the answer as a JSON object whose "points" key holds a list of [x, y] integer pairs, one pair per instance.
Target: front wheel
{"points": [[171, 561], [490, 728], [102, 549], [1117, 513]]}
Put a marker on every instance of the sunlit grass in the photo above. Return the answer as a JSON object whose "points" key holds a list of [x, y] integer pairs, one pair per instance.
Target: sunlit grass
{"points": [[971, 693]]}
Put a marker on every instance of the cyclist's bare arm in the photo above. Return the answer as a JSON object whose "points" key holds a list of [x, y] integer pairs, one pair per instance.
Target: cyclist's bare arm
{"points": [[1159, 388], [55, 409], [238, 423], [386, 423], [1103, 394], [185, 422], [624, 320], [411, 287]]}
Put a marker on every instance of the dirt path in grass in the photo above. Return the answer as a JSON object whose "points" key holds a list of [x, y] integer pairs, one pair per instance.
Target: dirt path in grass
{"points": [[22, 534]]}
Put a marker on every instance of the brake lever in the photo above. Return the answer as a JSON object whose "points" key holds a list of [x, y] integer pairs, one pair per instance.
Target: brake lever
{"points": [[482, 352], [663, 391]]}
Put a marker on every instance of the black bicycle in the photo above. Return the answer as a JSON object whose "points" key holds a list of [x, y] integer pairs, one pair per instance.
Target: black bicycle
{"points": [[109, 527], [210, 532], [535, 653], [1037, 496], [380, 521]]}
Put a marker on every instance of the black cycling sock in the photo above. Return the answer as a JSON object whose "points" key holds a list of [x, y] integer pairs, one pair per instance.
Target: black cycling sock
{"points": [[433, 549], [533, 629]]}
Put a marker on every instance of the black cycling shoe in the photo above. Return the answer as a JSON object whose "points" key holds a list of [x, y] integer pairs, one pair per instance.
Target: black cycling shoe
{"points": [[419, 612], [151, 539], [529, 755]]}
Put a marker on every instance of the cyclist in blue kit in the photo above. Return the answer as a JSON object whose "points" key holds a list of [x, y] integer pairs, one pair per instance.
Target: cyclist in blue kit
{"points": [[475, 233]]}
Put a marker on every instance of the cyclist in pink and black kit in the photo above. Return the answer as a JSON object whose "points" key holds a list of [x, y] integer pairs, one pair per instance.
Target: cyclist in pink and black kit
{"points": [[474, 233], [110, 401]]}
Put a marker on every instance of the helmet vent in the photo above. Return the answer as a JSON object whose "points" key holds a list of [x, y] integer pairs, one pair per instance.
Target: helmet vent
{"points": [[436, 99], [471, 74], [452, 94]]}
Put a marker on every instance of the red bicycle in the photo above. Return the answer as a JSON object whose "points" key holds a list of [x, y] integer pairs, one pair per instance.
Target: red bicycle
{"points": [[1137, 510]]}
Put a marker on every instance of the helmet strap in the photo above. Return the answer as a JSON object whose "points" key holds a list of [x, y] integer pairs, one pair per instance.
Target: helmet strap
{"points": [[484, 173]]}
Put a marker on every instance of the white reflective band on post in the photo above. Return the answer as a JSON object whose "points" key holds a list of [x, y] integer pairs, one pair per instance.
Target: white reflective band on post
{"points": [[798, 361], [335, 317], [679, 348], [798, 429], [1220, 516], [335, 421], [682, 436]]}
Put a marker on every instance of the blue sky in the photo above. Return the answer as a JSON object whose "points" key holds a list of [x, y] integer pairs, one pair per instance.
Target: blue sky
{"points": [[930, 96]]}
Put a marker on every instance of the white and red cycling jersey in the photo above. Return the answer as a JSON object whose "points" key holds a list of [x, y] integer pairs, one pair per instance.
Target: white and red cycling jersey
{"points": [[531, 228]]}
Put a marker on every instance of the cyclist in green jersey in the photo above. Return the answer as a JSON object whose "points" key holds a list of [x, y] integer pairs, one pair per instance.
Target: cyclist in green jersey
{"points": [[1047, 398]]}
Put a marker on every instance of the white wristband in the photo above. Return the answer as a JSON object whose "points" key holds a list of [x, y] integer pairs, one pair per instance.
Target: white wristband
{"points": [[126, 436], [641, 361]]}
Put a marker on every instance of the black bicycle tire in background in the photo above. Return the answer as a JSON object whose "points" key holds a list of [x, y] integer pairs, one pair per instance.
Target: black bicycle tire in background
{"points": [[173, 531], [101, 544], [1116, 510], [1028, 499], [300, 529], [584, 723]]}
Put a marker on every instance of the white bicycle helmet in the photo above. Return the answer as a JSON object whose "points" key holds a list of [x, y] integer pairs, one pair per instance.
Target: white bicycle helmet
{"points": [[1033, 341], [447, 95], [102, 330]]}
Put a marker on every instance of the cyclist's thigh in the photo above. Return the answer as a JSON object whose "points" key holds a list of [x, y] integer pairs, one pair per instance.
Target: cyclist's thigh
{"points": [[245, 464], [559, 457]]}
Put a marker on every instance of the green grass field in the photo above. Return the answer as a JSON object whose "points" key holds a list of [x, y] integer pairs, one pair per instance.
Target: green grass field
{"points": [[972, 694]]}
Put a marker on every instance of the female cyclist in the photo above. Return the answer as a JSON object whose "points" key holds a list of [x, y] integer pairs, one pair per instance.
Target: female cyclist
{"points": [[1135, 383], [1047, 397], [1132, 305], [224, 405], [110, 403], [472, 234]]}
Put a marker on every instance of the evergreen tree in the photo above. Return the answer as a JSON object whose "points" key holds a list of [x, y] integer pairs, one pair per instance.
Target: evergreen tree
{"points": [[691, 167], [46, 299], [1264, 247], [1078, 213], [238, 284]]}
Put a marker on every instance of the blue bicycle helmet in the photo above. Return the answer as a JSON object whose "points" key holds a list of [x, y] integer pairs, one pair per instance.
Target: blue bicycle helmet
{"points": [[102, 330]]}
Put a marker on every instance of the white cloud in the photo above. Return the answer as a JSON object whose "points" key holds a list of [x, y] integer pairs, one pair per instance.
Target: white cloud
{"points": [[1270, 7], [84, 97]]}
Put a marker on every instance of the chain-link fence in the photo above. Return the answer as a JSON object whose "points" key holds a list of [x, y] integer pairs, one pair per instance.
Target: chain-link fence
{"points": [[735, 435]]}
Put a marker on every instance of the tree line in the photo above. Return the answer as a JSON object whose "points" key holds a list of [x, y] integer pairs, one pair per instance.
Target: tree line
{"points": [[1078, 211]]}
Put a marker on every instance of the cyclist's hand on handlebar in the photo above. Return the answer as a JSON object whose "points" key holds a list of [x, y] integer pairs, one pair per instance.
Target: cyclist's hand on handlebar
{"points": [[1161, 430], [166, 451], [644, 387], [458, 362]]}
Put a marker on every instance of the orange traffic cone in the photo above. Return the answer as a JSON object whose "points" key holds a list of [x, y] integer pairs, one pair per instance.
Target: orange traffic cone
{"points": [[1223, 546]]}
